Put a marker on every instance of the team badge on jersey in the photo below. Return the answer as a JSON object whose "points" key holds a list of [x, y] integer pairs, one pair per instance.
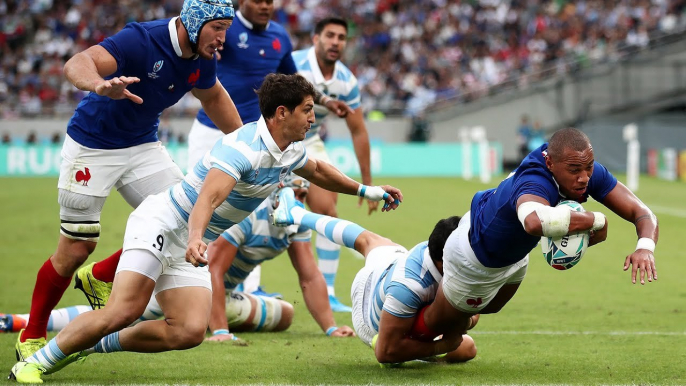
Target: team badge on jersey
{"points": [[243, 43], [194, 77], [155, 68], [276, 44], [283, 173]]}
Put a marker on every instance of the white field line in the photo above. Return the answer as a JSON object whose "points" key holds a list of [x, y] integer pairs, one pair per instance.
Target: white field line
{"points": [[676, 212], [608, 333]]}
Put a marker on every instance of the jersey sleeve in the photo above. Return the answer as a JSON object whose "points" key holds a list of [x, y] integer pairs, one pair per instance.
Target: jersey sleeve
{"points": [[602, 182], [236, 235], [401, 301], [229, 158], [534, 182], [352, 99], [302, 161], [126, 46], [208, 73]]}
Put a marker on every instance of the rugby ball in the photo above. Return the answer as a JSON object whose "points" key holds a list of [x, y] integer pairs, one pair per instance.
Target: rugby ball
{"points": [[565, 252]]}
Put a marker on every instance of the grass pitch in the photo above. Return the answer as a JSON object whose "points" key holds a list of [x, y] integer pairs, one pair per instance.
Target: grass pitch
{"points": [[588, 325]]}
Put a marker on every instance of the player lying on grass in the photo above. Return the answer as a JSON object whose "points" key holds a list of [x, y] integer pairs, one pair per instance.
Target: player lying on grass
{"points": [[486, 257], [392, 289], [166, 236], [244, 312], [246, 245]]}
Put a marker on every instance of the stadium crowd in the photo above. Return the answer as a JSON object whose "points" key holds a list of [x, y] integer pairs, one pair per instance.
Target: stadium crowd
{"points": [[407, 54]]}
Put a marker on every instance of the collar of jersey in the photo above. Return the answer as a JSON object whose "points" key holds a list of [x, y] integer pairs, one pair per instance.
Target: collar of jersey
{"points": [[432, 267], [316, 71], [246, 23], [273, 148], [174, 36]]}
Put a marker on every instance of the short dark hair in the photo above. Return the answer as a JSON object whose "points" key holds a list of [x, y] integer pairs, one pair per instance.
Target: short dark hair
{"points": [[321, 24], [283, 90], [569, 138], [443, 229]]}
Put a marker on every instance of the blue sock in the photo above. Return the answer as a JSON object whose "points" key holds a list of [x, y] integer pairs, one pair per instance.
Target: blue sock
{"points": [[48, 355], [108, 344], [341, 232]]}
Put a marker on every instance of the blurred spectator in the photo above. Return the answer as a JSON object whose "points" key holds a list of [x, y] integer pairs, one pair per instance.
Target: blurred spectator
{"points": [[32, 139], [524, 135], [407, 54], [56, 139], [6, 139], [420, 129]]}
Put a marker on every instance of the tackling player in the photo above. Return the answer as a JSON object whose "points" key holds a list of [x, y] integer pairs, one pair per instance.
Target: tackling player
{"points": [[390, 293], [321, 65], [112, 137]]}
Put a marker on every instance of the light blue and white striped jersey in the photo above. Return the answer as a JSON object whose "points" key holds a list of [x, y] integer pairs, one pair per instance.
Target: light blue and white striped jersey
{"points": [[405, 286], [249, 155], [342, 86], [258, 240]]}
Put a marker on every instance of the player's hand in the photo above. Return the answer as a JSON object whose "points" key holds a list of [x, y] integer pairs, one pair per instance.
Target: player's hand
{"points": [[372, 206], [642, 263], [598, 236], [343, 332], [222, 338], [115, 88], [393, 198], [339, 108], [196, 253]]}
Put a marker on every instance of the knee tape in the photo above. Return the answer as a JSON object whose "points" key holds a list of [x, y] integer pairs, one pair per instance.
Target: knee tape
{"points": [[250, 312], [83, 230]]}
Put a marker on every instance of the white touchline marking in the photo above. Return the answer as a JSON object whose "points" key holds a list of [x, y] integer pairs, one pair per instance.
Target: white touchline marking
{"points": [[676, 212], [666, 333]]}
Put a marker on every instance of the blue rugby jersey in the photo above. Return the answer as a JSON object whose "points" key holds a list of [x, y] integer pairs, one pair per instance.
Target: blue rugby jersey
{"points": [[403, 287], [496, 235], [248, 56], [258, 240], [151, 52], [342, 86], [250, 156]]}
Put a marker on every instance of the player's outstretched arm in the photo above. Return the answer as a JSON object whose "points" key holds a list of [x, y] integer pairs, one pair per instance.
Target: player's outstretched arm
{"points": [[222, 255], [626, 205], [540, 219], [219, 106], [360, 137], [215, 189], [394, 345], [328, 177], [87, 69], [313, 287]]}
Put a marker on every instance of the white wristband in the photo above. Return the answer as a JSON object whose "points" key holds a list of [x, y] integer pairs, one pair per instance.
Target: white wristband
{"points": [[598, 221], [373, 193], [645, 243]]}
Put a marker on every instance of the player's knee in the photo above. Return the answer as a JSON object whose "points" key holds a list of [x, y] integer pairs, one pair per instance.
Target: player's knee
{"points": [[286, 316], [468, 348], [187, 336]]}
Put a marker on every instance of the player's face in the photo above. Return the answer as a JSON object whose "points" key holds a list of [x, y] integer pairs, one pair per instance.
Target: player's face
{"points": [[330, 44], [212, 37], [298, 122], [572, 171], [258, 12]]}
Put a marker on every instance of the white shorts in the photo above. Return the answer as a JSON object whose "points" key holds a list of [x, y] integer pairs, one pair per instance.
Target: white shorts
{"points": [[316, 149], [93, 172], [156, 227], [201, 139], [467, 284], [378, 259]]}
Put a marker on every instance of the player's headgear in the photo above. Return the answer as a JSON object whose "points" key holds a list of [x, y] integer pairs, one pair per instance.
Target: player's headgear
{"points": [[196, 13]]}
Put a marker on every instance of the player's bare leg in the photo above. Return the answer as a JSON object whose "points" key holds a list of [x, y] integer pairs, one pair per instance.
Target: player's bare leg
{"points": [[503, 296], [186, 317]]}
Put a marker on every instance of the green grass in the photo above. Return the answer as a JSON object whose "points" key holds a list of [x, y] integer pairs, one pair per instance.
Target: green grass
{"points": [[589, 325]]}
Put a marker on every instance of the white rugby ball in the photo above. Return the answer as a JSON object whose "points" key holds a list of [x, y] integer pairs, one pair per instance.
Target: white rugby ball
{"points": [[565, 252]]}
